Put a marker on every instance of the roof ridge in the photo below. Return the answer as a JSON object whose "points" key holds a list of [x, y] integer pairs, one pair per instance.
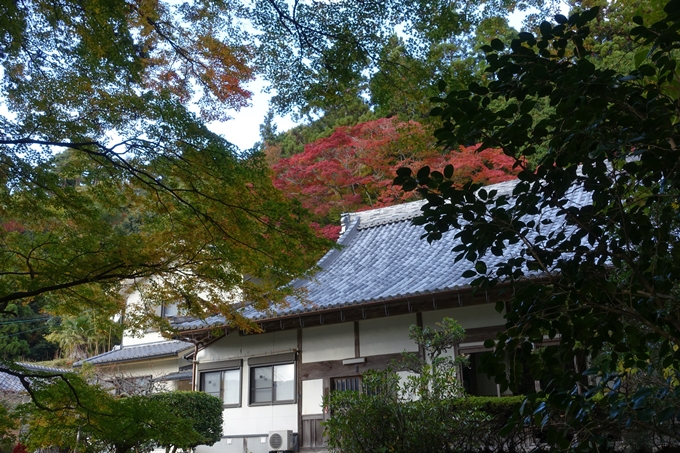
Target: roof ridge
{"points": [[389, 214], [37, 367], [151, 343], [407, 211]]}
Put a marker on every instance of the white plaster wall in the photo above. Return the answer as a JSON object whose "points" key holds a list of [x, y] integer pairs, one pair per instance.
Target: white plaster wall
{"points": [[386, 335], [237, 346], [253, 420], [403, 380], [312, 396], [331, 342], [149, 337], [134, 302], [469, 317], [219, 446]]}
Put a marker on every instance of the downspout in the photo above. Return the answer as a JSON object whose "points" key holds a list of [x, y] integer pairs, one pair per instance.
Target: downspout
{"points": [[194, 366]]}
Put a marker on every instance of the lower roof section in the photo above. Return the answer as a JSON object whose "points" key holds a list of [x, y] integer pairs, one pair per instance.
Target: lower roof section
{"points": [[171, 348], [12, 384]]}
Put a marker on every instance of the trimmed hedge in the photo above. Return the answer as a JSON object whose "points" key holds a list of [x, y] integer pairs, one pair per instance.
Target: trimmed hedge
{"points": [[374, 423]]}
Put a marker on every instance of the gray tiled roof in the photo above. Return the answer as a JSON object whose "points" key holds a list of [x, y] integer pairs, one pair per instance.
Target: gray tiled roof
{"points": [[141, 351], [383, 258], [9, 383]]}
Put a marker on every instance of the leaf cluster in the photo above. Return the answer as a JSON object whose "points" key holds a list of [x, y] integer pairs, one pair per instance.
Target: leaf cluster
{"points": [[349, 50], [350, 170], [588, 241], [108, 178], [203, 410], [8, 424]]}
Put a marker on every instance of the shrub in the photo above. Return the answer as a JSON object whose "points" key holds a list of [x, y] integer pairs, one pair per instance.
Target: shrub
{"points": [[415, 413], [488, 432], [205, 412], [425, 410], [387, 416]]}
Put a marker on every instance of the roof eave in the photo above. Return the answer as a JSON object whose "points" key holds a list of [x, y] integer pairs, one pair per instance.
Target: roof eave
{"points": [[454, 297]]}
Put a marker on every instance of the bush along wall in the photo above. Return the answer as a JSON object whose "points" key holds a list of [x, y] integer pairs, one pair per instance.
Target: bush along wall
{"points": [[425, 411]]}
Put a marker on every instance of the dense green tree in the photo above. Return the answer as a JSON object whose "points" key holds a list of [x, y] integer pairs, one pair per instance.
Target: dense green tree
{"points": [[83, 336], [205, 411], [22, 332], [8, 425], [67, 412], [609, 264], [402, 76], [406, 78], [13, 343], [109, 178], [334, 48]]}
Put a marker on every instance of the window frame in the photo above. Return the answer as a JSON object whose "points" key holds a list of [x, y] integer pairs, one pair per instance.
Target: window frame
{"points": [[222, 367], [266, 362]]}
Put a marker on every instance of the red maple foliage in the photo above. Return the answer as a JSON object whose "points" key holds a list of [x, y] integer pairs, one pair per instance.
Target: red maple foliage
{"points": [[12, 225], [352, 170], [19, 448]]}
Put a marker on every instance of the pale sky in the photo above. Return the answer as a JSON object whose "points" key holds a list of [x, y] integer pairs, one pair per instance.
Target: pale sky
{"points": [[244, 129]]}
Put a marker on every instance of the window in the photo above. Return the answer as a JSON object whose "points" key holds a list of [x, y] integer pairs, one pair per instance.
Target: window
{"points": [[130, 385], [223, 380], [272, 379], [347, 384], [224, 384]]}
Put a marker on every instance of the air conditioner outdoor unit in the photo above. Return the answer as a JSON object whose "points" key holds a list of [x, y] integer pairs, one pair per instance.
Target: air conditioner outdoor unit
{"points": [[281, 440]]}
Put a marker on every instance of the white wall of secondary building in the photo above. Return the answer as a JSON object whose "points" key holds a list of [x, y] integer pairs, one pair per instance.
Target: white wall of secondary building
{"points": [[154, 368], [134, 303], [148, 337]]}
